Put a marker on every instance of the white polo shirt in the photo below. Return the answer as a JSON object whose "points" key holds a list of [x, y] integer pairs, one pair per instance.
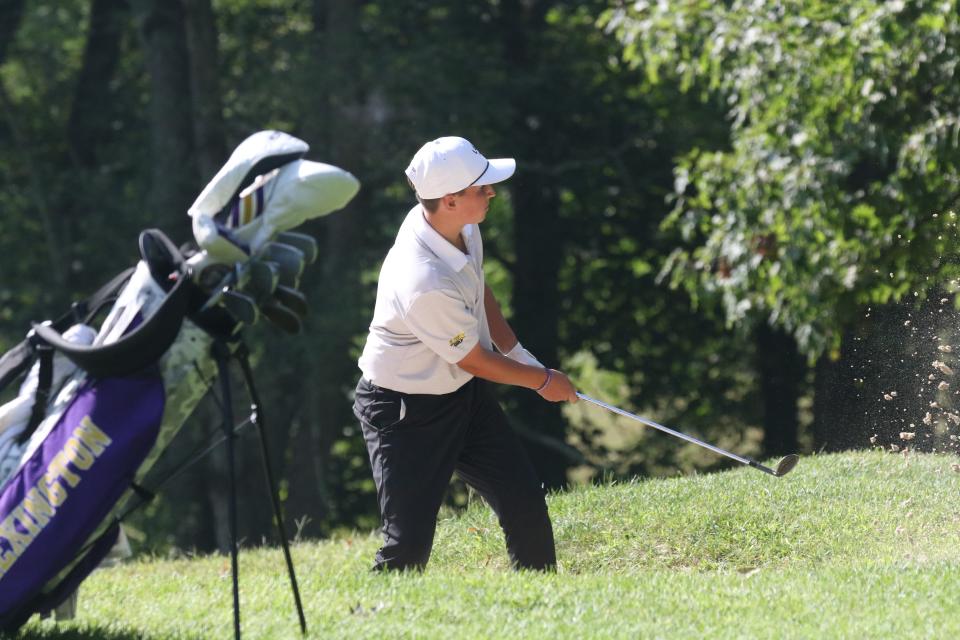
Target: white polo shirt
{"points": [[429, 312]]}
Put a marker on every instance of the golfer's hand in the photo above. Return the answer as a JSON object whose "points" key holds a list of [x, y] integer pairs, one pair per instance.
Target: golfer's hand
{"points": [[558, 388]]}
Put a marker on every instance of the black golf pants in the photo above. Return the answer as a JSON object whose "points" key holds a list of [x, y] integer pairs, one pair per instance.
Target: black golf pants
{"points": [[416, 443]]}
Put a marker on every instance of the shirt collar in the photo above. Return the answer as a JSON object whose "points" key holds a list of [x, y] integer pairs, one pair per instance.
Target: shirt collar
{"points": [[453, 257]]}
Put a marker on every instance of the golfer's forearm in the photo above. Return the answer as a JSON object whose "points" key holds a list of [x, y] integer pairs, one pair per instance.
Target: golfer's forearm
{"points": [[503, 336], [497, 368]]}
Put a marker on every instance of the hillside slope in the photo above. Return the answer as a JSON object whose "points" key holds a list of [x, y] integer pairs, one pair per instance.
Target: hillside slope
{"points": [[853, 545]]}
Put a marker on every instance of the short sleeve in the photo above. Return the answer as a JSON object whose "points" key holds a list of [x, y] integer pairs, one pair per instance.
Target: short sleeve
{"points": [[440, 319]]}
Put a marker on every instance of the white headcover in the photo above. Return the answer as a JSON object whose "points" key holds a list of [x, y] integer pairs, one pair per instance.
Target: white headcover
{"points": [[261, 145], [297, 191], [300, 191]]}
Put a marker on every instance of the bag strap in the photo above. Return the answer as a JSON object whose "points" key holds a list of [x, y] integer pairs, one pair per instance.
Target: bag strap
{"points": [[149, 340], [85, 310], [42, 395], [17, 360], [134, 351]]}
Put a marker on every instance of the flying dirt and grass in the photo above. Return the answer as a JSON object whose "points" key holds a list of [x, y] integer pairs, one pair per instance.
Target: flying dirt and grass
{"points": [[853, 545]]}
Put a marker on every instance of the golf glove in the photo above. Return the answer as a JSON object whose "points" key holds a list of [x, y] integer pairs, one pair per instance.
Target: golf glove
{"points": [[521, 355]]}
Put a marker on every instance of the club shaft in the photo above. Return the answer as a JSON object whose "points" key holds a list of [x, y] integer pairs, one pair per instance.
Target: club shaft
{"points": [[682, 436]]}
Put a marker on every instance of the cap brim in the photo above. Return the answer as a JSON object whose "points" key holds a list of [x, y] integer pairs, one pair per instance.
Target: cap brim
{"points": [[499, 170]]}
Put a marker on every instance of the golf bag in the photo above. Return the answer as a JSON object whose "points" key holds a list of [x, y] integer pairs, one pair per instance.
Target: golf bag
{"points": [[98, 406]]}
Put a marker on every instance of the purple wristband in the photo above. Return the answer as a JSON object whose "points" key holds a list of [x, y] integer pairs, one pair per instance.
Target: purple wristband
{"points": [[545, 382]]}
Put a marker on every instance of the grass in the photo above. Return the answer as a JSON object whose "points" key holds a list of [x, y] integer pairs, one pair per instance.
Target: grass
{"points": [[854, 545]]}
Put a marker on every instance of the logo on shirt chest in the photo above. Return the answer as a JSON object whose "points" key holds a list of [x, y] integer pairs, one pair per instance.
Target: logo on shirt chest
{"points": [[457, 339]]}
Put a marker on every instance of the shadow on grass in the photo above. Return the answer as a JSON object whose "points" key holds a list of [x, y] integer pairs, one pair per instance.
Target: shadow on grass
{"points": [[85, 632]]}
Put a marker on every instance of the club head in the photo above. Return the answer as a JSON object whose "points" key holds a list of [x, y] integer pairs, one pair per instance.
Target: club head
{"points": [[263, 281], [289, 260], [242, 307], [292, 299], [281, 317], [786, 464], [216, 278], [306, 244], [286, 277]]}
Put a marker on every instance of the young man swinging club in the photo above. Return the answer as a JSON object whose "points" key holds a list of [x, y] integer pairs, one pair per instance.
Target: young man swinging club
{"points": [[425, 402]]}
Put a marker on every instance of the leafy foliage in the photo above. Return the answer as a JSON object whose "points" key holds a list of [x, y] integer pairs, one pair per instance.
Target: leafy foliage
{"points": [[836, 188]]}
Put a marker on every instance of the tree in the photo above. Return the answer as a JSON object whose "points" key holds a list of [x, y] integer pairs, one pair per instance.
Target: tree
{"points": [[538, 236], [174, 186], [90, 116], [205, 89], [337, 135], [11, 10], [841, 157]]}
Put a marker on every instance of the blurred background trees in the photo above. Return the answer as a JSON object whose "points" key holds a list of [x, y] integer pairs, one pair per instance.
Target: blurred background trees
{"points": [[733, 217]]}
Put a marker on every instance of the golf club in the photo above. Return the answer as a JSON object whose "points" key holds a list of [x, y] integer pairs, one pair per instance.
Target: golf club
{"points": [[264, 277], [292, 299], [241, 307], [301, 241], [281, 317], [289, 260], [784, 467]]}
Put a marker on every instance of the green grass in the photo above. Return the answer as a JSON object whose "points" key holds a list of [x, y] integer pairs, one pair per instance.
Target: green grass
{"points": [[846, 546]]}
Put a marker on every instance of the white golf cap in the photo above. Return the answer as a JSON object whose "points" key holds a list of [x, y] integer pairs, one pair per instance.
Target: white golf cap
{"points": [[451, 164]]}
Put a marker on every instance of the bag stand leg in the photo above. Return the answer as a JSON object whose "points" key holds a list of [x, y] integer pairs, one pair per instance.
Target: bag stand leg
{"points": [[221, 353], [256, 416]]}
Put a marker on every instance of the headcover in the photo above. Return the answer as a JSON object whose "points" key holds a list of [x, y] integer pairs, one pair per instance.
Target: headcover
{"points": [[264, 188], [259, 154]]}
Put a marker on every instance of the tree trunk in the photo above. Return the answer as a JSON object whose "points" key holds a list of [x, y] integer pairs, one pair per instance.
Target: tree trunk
{"points": [[90, 117], [827, 410], [175, 184], [782, 370], [208, 128], [878, 387], [179, 40], [336, 135], [844, 384], [538, 240], [536, 304], [10, 13], [89, 131]]}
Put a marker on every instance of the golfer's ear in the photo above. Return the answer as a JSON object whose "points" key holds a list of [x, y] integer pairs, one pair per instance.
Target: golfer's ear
{"points": [[450, 201]]}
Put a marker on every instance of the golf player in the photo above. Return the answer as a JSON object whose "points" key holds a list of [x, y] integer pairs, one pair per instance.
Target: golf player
{"points": [[436, 342]]}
